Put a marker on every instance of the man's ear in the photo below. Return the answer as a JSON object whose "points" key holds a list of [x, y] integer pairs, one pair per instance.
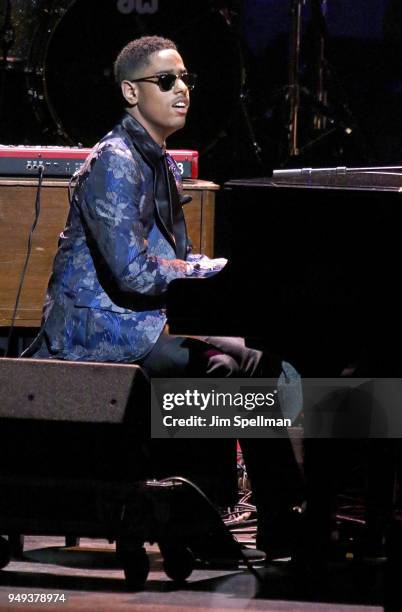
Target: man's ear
{"points": [[130, 92]]}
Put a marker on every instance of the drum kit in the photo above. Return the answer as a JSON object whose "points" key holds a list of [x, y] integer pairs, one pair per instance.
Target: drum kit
{"points": [[56, 66]]}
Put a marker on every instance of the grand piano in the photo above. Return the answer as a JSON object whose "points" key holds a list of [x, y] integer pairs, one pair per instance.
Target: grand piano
{"points": [[314, 272]]}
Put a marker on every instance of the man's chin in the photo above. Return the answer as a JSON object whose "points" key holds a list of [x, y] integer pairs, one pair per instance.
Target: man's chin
{"points": [[177, 125], [181, 121]]}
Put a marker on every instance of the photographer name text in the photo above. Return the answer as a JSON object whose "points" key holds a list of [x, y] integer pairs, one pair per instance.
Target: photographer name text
{"points": [[241, 422]]}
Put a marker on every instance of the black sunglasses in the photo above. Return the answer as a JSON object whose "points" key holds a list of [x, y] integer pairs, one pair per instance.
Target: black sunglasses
{"points": [[166, 81]]}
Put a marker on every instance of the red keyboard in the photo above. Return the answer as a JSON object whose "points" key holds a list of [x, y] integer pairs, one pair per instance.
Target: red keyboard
{"points": [[61, 162]]}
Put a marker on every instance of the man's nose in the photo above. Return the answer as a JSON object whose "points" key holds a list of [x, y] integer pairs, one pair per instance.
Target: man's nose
{"points": [[180, 85]]}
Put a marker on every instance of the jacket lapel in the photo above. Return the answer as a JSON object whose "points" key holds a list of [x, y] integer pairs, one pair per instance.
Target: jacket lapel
{"points": [[154, 156], [179, 223]]}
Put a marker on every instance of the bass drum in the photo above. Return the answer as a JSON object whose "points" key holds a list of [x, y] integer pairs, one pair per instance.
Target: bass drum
{"points": [[71, 66]]}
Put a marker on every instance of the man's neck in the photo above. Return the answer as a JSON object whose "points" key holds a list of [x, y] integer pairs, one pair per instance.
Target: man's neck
{"points": [[158, 138]]}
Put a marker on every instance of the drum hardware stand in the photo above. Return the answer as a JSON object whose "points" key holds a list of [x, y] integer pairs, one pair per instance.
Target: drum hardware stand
{"points": [[7, 36], [326, 119], [228, 15], [36, 76]]}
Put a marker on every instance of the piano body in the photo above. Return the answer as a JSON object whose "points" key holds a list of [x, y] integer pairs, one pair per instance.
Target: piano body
{"points": [[315, 267]]}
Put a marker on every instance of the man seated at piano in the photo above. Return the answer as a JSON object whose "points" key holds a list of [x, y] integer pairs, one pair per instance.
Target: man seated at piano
{"points": [[125, 240]]}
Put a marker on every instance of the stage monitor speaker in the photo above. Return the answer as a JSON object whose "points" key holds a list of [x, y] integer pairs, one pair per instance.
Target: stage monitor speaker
{"points": [[72, 421], [69, 390], [64, 419]]}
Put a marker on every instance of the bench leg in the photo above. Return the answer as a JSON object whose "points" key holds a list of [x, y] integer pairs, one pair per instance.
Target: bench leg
{"points": [[72, 540], [16, 544]]}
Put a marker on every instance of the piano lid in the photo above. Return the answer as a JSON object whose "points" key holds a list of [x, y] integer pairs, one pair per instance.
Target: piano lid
{"points": [[387, 178]]}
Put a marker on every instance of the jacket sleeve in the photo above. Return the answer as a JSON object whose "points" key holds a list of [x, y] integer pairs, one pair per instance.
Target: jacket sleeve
{"points": [[110, 203]]}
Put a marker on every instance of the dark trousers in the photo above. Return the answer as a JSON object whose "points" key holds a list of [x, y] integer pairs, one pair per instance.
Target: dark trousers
{"points": [[274, 474]]}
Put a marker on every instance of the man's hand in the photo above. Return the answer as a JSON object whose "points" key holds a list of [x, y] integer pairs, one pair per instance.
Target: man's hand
{"points": [[201, 265]]}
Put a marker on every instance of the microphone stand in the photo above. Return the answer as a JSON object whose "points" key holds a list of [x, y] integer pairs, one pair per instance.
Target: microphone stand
{"points": [[294, 77], [319, 120]]}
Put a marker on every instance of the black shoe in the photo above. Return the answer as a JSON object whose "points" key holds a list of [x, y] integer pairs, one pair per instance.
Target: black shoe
{"points": [[278, 539], [276, 551], [246, 555]]}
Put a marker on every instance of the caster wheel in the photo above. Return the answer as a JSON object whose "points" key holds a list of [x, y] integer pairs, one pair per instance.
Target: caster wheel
{"points": [[72, 540], [178, 562], [16, 544], [4, 553], [135, 565]]}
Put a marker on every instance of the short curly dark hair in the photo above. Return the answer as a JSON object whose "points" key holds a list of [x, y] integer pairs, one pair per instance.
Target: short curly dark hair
{"points": [[135, 54]]}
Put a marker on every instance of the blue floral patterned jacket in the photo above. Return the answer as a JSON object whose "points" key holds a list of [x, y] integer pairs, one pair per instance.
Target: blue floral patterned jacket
{"points": [[117, 254]]}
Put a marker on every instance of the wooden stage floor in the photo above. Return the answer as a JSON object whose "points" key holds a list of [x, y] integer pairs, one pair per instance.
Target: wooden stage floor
{"points": [[90, 580]]}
